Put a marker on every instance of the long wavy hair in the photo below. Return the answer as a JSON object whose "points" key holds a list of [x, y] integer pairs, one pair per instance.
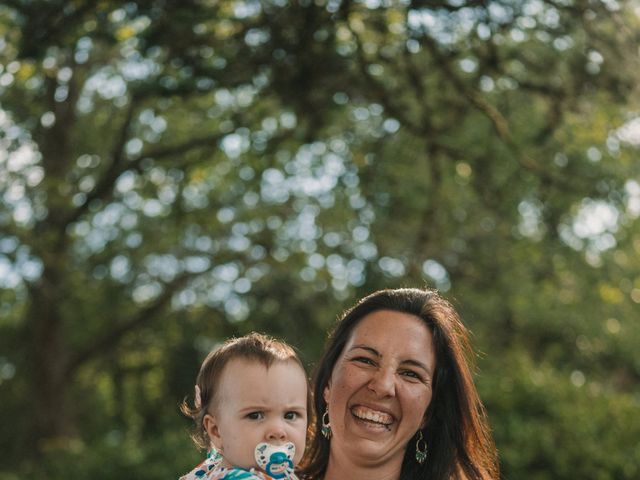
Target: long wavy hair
{"points": [[456, 430]]}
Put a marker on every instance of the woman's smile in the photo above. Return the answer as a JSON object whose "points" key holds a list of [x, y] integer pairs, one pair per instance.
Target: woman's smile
{"points": [[372, 416]]}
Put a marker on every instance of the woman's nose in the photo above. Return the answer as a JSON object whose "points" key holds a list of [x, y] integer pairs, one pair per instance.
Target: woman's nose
{"points": [[383, 383]]}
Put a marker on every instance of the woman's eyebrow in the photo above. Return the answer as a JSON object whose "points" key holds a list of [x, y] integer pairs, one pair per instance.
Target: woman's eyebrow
{"points": [[369, 349]]}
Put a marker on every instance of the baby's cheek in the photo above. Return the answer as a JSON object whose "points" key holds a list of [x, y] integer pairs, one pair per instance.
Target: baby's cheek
{"points": [[299, 452]]}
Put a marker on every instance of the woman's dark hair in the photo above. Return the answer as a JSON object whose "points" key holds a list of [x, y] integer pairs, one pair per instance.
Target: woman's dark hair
{"points": [[456, 430]]}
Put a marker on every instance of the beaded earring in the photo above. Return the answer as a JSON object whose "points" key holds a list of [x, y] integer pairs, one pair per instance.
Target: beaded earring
{"points": [[421, 448], [326, 426]]}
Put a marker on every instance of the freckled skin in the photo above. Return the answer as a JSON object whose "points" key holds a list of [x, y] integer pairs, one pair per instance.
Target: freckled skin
{"points": [[384, 374]]}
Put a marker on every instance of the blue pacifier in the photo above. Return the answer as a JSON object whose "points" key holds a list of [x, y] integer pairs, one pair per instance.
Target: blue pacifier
{"points": [[275, 460]]}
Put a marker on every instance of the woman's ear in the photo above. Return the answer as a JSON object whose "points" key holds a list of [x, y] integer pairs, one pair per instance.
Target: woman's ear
{"points": [[326, 392], [425, 419], [211, 427]]}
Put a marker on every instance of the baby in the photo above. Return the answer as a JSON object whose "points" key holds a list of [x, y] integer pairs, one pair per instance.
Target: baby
{"points": [[250, 408]]}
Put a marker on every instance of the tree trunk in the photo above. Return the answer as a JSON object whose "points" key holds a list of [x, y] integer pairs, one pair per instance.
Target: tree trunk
{"points": [[52, 419]]}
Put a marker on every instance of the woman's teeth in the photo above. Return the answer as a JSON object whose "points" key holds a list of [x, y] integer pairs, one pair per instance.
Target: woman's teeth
{"points": [[372, 415]]}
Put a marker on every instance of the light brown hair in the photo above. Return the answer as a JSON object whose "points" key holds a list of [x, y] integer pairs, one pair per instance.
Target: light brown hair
{"points": [[254, 346]]}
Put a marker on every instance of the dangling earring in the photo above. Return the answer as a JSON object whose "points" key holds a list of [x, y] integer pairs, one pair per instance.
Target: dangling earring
{"points": [[326, 426], [421, 448]]}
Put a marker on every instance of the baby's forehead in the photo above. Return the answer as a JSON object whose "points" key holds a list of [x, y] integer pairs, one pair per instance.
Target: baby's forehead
{"points": [[253, 382], [255, 362], [251, 370]]}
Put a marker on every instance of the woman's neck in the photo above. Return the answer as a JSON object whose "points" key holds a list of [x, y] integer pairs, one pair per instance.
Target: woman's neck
{"points": [[341, 468]]}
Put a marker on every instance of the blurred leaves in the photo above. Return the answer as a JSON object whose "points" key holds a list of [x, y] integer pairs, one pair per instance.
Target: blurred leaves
{"points": [[175, 173]]}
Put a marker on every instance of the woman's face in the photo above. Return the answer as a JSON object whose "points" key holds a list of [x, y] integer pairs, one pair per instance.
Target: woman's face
{"points": [[380, 388]]}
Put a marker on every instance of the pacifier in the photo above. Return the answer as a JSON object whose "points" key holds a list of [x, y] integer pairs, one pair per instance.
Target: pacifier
{"points": [[275, 460]]}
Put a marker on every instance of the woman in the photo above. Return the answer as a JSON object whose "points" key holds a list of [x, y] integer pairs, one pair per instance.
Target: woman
{"points": [[394, 395]]}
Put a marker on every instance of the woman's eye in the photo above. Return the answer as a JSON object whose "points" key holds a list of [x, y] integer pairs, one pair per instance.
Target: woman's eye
{"points": [[255, 416], [365, 360], [290, 415], [411, 374]]}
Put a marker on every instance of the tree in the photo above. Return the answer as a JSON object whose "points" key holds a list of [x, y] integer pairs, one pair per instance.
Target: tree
{"points": [[178, 172]]}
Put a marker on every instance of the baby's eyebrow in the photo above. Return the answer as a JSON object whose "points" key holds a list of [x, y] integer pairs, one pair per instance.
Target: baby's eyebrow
{"points": [[252, 408], [268, 408], [251, 404]]}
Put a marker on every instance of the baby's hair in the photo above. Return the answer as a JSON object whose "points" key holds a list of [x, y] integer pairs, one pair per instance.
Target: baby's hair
{"points": [[254, 346]]}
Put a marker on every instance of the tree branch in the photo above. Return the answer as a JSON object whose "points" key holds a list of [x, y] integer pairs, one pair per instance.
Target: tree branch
{"points": [[499, 122], [115, 169], [179, 149], [104, 189], [110, 339], [380, 91], [46, 22]]}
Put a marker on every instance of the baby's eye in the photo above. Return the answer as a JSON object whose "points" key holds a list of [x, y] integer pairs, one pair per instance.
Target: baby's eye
{"points": [[291, 415], [255, 416]]}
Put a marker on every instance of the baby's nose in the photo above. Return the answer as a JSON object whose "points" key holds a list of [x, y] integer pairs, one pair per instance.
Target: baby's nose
{"points": [[276, 432]]}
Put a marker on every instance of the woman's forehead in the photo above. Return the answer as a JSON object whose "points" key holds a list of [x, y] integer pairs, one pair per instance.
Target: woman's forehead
{"points": [[390, 329]]}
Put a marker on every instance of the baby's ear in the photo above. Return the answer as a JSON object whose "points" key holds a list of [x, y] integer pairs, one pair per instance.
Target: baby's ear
{"points": [[211, 427]]}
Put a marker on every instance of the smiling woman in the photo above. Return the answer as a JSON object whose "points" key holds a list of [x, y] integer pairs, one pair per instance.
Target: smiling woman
{"points": [[395, 397]]}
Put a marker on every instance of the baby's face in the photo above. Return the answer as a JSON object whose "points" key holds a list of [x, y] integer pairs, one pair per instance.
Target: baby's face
{"points": [[255, 404]]}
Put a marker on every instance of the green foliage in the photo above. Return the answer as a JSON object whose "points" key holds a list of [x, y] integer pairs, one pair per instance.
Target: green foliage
{"points": [[554, 422], [175, 173], [116, 457]]}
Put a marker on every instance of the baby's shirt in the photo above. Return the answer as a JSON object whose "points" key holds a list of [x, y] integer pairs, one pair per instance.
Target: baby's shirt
{"points": [[202, 472], [205, 469], [276, 458]]}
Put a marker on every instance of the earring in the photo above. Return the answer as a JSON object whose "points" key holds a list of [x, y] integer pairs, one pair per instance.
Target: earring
{"points": [[326, 426], [421, 448]]}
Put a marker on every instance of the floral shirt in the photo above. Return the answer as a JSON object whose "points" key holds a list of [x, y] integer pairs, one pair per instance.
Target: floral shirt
{"points": [[210, 469]]}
